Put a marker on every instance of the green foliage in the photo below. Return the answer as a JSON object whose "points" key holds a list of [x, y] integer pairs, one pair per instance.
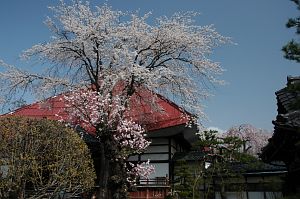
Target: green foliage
{"points": [[215, 171], [209, 139], [294, 196], [184, 180], [42, 159], [292, 49]]}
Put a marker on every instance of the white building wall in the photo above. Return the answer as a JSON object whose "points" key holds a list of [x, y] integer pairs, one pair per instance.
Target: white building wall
{"points": [[251, 195], [159, 176], [154, 157], [155, 149], [161, 170], [173, 147], [133, 158]]}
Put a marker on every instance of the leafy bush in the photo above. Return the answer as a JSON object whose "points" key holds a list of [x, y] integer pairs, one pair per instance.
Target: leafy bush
{"points": [[42, 158]]}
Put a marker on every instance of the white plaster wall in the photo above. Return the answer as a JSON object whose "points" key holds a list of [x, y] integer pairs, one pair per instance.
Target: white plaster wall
{"points": [[251, 195], [154, 149], [152, 157], [133, 158], [161, 170]]}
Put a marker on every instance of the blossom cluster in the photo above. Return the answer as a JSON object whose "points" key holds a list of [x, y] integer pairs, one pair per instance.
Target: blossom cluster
{"points": [[131, 135], [101, 111], [91, 108], [143, 170]]}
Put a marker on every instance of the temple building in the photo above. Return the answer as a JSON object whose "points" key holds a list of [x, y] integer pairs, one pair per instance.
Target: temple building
{"points": [[167, 131], [284, 146]]}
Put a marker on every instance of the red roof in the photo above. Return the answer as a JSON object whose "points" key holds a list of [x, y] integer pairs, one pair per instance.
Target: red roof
{"points": [[143, 113]]}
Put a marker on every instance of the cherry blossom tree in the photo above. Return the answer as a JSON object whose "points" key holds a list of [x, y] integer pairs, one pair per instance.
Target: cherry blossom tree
{"points": [[103, 58], [118, 136], [253, 139]]}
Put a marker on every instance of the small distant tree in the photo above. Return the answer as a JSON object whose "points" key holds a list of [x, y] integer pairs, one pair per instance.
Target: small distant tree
{"points": [[292, 49], [253, 139], [42, 159]]}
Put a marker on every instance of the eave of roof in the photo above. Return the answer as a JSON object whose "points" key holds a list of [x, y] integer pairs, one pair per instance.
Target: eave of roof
{"points": [[152, 120]]}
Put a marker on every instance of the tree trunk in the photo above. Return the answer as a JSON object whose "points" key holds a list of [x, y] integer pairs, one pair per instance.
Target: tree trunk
{"points": [[222, 192], [112, 176], [102, 192], [21, 192]]}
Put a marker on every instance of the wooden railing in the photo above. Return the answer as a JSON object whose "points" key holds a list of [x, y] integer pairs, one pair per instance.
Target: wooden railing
{"points": [[158, 181]]}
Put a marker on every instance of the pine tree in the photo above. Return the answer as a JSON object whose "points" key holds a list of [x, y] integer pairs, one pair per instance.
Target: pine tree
{"points": [[292, 49]]}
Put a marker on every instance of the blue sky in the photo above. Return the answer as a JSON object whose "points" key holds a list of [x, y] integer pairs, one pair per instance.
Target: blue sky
{"points": [[255, 68]]}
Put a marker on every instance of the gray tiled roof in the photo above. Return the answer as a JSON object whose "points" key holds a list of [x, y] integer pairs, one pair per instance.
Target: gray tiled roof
{"points": [[288, 115], [287, 97], [258, 166], [286, 125], [290, 120]]}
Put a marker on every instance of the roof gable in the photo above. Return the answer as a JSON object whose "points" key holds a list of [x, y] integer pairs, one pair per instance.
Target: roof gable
{"points": [[140, 111]]}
